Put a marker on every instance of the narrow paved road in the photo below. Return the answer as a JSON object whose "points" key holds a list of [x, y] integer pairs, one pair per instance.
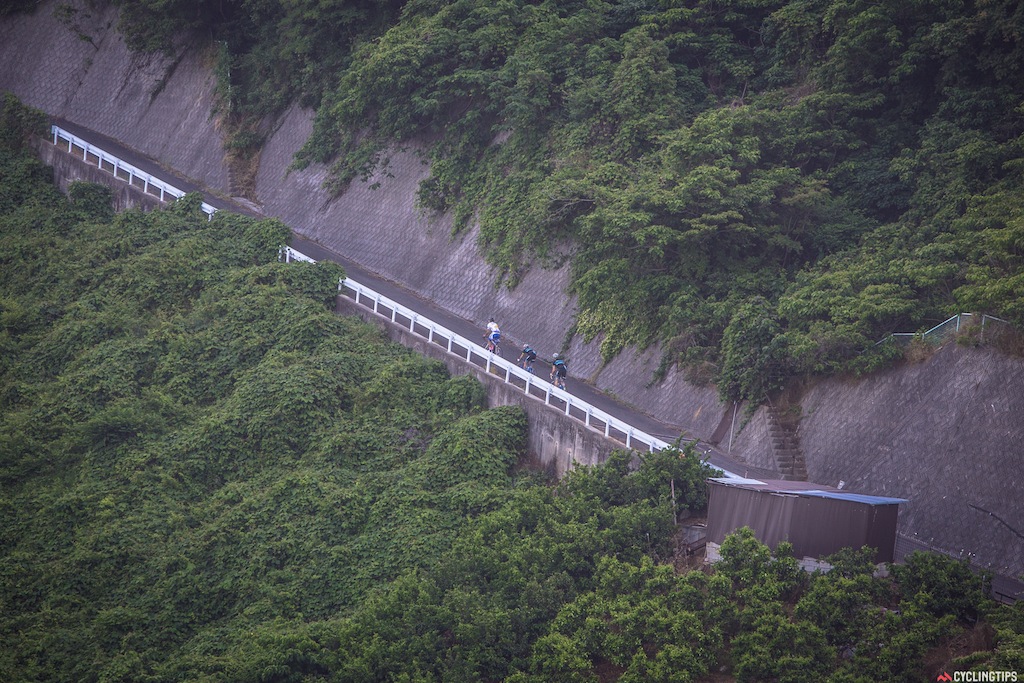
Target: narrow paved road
{"points": [[392, 290]]}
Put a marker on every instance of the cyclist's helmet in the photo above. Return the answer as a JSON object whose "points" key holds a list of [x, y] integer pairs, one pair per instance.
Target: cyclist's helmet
{"points": [[555, 356]]}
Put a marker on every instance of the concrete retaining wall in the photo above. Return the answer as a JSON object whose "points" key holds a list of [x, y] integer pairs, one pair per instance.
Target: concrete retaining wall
{"points": [[159, 105], [946, 433], [556, 442], [67, 169]]}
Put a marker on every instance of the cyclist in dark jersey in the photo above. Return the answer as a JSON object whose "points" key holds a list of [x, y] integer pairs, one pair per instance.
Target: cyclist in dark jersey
{"points": [[526, 358], [558, 371]]}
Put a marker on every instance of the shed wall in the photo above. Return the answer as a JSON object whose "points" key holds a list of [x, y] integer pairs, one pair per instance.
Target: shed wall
{"points": [[816, 526], [730, 508]]}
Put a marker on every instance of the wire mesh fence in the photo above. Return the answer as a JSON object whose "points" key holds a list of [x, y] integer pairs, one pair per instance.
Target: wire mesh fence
{"points": [[971, 328]]}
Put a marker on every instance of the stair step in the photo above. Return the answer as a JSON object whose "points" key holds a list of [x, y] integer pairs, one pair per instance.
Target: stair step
{"points": [[785, 442]]}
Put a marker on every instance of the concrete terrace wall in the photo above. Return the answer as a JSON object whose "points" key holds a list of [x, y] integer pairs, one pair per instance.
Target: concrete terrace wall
{"points": [[161, 107], [382, 230], [555, 443], [67, 169], [946, 433], [158, 105]]}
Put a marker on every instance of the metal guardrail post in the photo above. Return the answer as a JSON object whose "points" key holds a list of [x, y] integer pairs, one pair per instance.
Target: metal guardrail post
{"points": [[292, 255], [119, 164], [630, 433]]}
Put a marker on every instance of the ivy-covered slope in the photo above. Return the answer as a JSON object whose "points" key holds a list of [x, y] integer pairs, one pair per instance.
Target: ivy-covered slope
{"points": [[194, 446], [205, 475], [764, 187]]}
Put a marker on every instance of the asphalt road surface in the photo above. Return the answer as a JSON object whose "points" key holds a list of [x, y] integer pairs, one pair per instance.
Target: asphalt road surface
{"points": [[468, 329]]}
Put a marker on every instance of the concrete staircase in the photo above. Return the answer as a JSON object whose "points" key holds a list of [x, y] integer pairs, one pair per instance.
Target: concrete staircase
{"points": [[784, 433]]}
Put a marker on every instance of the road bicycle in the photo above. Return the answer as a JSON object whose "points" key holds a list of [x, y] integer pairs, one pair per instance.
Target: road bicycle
{"points": [[526, 360], [492, 346]]}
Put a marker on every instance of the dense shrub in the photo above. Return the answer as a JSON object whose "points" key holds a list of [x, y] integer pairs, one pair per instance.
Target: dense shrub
{"points": [[205, 474], [763, 189]]}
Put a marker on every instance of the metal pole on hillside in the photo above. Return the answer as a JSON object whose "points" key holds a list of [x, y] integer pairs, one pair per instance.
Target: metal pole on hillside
{"points": [[675, 515], [732, 429]]}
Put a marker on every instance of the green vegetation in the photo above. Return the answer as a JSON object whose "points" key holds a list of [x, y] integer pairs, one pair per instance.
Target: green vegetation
{"points": [[192, 445], [206, 475], [763, 187]]}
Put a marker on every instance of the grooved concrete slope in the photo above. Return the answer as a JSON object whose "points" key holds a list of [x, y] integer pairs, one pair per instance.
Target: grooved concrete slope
{"points": [[158, 105], [161, 107], [946, 433]]}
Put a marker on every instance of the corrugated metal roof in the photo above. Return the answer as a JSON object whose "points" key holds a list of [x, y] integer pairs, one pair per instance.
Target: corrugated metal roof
{"points": [[738, 481], [804, 488], [855, 497]]}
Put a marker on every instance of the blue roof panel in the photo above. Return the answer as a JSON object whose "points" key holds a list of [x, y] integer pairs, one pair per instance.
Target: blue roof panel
{"points": [[854, 497]]}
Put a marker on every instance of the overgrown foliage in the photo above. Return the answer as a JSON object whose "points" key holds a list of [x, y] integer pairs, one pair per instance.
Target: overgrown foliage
{"points": [[820, 171], [193, 447], [207, 475]]}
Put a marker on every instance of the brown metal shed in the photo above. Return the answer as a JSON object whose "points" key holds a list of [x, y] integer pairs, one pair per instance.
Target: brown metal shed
{"points": [[817, 520]]}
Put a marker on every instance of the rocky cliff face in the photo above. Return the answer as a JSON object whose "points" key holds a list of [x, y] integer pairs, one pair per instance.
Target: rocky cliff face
{"points": [[946, 433]]}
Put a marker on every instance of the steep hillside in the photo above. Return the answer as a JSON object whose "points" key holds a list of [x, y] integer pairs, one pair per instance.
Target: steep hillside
{"points": [[944, 433], [896, 433]]}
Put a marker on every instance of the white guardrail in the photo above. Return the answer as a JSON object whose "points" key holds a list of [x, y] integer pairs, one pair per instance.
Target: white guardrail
{"points": [[122, 170], [476, 354], [576, 408]]}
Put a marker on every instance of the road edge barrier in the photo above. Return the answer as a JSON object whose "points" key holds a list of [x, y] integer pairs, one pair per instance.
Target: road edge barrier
{"points": [[150, 184], [478, 356]]}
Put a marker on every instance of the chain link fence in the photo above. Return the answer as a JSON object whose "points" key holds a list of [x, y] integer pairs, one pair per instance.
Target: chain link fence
{"points": [[970, 329]]}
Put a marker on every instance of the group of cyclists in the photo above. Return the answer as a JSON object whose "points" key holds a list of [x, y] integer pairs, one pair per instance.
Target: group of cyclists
{"points": [[559, 370]]}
